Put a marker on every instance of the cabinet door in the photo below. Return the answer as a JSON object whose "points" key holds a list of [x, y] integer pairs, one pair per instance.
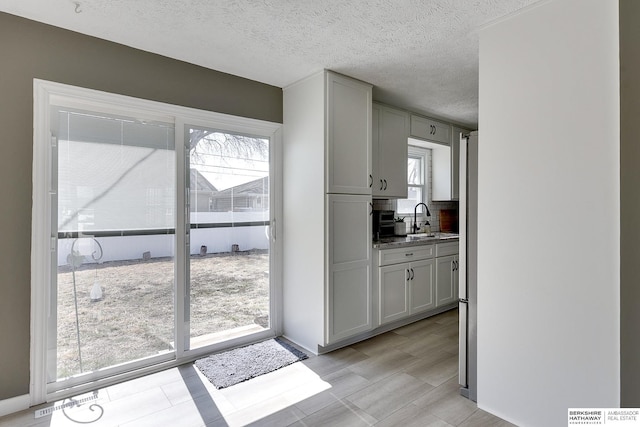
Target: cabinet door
{"points": [[348, 253], [348, 302], [421, 291], [429, 129], [348, 124], [444, 280], [393, 292], [393, 133]]}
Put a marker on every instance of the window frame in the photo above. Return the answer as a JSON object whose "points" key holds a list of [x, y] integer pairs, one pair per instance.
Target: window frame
{"points": [[422, 154]]}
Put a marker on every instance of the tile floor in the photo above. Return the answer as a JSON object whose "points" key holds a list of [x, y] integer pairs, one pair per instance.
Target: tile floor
{"points": [[407, 377]]}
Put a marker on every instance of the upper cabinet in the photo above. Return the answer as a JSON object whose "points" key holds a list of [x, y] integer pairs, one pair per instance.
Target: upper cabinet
{"points": [[348, 138], [389, 143], [429, 129]]}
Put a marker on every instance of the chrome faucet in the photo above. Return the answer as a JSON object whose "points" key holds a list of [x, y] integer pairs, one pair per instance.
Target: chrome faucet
{"points": [[415, 216]]}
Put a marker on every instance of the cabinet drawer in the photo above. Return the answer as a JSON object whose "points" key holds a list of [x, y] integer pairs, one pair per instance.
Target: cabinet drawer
{"points": [[413, 253], [444, 249]]}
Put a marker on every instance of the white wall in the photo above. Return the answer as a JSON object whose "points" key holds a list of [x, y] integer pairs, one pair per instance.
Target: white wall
{"points": [[548, 241]]}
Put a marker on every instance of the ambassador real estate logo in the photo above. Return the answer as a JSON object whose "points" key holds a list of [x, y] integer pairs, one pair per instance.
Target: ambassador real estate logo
{"points": [[603, 416]]}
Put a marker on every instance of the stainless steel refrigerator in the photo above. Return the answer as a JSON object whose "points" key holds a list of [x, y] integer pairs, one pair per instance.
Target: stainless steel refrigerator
{"points": [[468, 269]]}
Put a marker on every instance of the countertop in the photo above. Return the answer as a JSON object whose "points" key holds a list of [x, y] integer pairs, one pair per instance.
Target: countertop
{"points": [[415, 240]]}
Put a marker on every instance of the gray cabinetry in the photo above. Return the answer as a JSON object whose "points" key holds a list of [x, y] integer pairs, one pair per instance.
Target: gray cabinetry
{"points": [[390, 137], [430, 130], [326, 227], [405, 282]]}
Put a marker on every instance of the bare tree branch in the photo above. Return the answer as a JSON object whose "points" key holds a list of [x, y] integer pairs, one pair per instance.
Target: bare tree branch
{"points": [[211, 142]]}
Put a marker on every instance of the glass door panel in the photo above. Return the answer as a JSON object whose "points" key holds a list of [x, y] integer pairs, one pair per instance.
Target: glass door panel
{"points": [[228, 286], [112, 296]]}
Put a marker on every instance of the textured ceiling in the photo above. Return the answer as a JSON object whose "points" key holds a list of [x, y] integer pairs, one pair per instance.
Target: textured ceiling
{"points": [[419, 54]]}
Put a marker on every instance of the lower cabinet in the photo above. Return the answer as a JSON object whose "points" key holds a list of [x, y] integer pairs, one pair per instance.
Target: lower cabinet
{"points": [[446, 280], [421, 287], [405, 288], [416, 279], [348, 304]]}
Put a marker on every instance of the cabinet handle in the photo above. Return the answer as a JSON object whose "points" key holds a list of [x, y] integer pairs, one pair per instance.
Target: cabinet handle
{"points": [[381, 184], [370, 180], [412, 274], [371, 206], [409, 254], [385, 184], [408, 276]]}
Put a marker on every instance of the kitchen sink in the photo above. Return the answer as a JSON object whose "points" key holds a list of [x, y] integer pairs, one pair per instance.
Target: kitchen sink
{"points": [[422, 236], [445, 236], [432, 236]]}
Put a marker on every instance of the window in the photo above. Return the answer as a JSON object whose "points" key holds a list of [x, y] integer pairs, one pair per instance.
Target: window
{"points": [[417, 179]]}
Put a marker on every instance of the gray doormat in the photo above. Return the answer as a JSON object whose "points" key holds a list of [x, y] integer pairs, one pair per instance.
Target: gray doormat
{"points": [[241, 364]]}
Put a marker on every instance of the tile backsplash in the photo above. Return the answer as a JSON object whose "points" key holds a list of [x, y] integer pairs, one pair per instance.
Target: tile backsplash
{"points": [[434, 209]]}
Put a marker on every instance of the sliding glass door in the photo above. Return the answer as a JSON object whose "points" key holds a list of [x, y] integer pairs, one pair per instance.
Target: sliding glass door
{"points": [[229, 242], [113, 288], [156, 245]]}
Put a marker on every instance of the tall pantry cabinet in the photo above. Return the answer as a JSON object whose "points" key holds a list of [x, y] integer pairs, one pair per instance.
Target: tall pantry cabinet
{"points": [[326, 228]]}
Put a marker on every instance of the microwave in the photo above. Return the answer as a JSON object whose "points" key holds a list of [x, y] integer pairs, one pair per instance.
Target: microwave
{"points": [[383, 224]]}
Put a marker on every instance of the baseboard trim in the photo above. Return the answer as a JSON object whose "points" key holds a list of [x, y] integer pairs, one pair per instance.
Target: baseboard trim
{"points": [[385, 328], [14, 404]]}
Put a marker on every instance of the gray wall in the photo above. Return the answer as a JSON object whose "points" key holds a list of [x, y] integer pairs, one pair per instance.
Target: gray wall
{"points": [[31, 50], [629, 203]]}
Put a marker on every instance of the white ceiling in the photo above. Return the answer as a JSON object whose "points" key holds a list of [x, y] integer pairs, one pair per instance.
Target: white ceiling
{"points": [[419, 54]]}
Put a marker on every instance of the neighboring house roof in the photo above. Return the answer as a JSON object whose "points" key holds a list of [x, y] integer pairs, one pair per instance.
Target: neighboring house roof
{"points": [[259, 186], [198, 182]]}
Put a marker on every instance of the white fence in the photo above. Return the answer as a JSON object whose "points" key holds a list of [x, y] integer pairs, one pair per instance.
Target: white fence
{"points": [[216, 240]]}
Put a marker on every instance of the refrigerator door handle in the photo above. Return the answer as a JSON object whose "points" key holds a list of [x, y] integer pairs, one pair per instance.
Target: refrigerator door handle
{"points": [[462, 337]]}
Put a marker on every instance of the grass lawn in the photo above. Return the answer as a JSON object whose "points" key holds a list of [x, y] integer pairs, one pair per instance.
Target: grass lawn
{"points": [[134, 318]]}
